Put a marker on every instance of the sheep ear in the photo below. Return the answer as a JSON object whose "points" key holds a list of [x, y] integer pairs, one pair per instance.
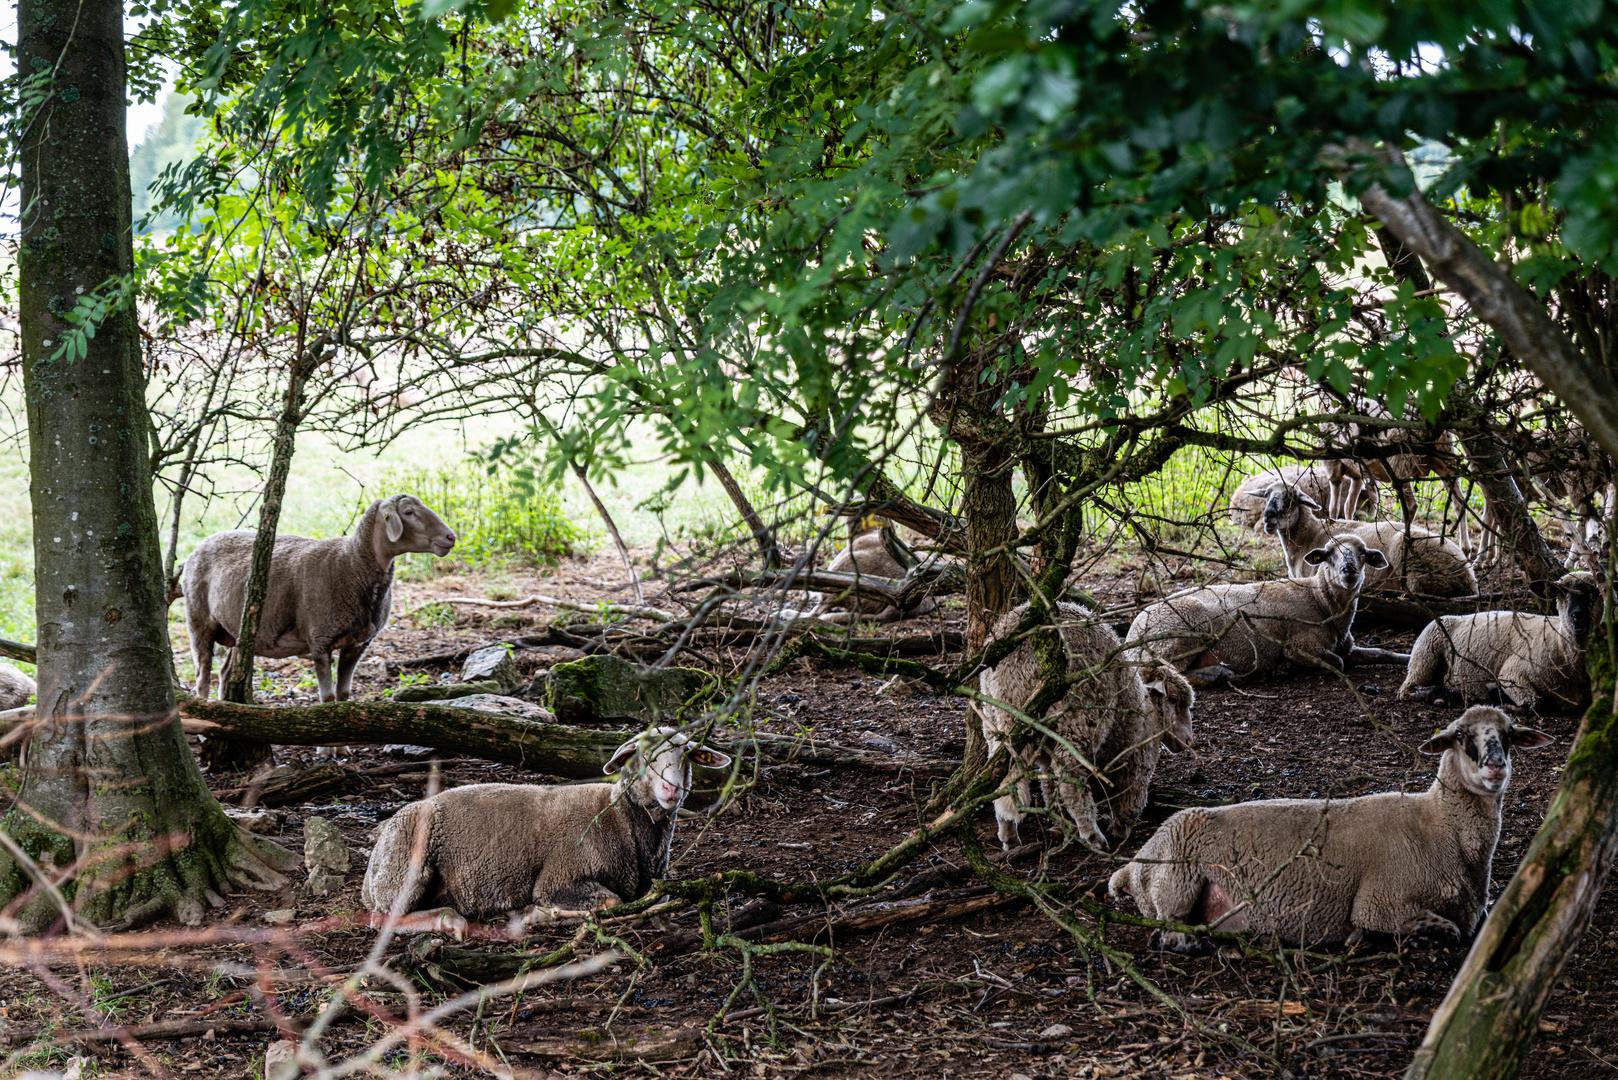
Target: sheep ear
{"points": [[1545, 590], [1527, 738], [392, 523], [709, 759], [1376, 559], [1444, 740], [620, 757], [1316, 557], [1306, 500]]}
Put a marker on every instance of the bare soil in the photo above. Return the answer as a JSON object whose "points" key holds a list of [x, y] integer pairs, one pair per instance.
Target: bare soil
{"points": [[1000, 992]]}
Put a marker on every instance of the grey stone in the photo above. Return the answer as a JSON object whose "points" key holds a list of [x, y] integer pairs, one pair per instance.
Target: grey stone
{"points": [[611, 688], [259, 820], [323, 848], [492, 663], [497, 703], [15, 687], [408, 750], [280, 916], [449, 690]]}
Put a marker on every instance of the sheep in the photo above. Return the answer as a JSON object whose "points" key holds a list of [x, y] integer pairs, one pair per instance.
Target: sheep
{"points": [[872, 553], [1219, 631], [1417, 559], [324, 595], [1529, 660], [1247, 504], [519, 849], [15, 687], [1115, 717], [1351, 475], [1322, 871]]}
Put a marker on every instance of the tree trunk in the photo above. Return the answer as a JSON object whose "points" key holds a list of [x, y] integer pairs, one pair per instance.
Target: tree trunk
{"points": [[1490, 1016], [763, 535], [110, 783], [222, 755]]}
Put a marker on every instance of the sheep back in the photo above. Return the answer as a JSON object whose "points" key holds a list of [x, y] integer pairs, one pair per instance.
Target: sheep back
{"points": [[1311, 871], [1527, 657], [497, 848], [1423, 562], [317, 602], [869, 556], [1247, 628]]}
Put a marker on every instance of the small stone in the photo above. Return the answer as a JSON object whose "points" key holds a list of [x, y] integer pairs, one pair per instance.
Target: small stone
{"points": [[1056, 1031], [258, 820], [497, 703], [323, 848], [492, 663], [15, 687], [414, 694], [372, 667], [281, 916], [733, 853], [280, 1061], [902, 686], [1021, 1076], [326, 884], [877, 742], [408, 751], [208, 1036]]}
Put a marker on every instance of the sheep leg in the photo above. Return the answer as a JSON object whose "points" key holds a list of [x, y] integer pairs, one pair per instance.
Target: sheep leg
{"points": [[202, 653], [581, 896], [438, 921], [1076, 800], [1007, 816], [1515, 683], [1431, 925], [347, 661], [322, 661], [1212, 675]]}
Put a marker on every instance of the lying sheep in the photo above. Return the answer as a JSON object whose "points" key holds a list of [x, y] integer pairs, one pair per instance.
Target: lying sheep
{"points": [[871, 554], [1219, 631], [324, 595], [1247, 504], [518, 849], [1115, 717], [1419, 560], [1531, 660], [15, 687], [1320, 871]]}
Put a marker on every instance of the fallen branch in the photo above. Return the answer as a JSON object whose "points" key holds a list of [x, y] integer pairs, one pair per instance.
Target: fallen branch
{"points": [[17, 650], [928, 579], [633, 611], [1404, 610], [651, 1045], [553, 749]]}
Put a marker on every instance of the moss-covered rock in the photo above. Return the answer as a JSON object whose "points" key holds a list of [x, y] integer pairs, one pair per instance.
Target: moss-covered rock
{"points": [[609, 688], [446, 691]]}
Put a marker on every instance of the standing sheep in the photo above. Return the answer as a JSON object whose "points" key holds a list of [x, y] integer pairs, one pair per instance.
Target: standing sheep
{"points": [[499, 849], [1530, 660], [1114, 718], [1320, 871], [1247, 504], [324, 595], [1418, 560], [1218, 631]]}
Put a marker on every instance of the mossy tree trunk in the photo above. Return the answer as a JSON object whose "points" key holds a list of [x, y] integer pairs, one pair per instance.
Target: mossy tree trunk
{"points": [[109, 783]]}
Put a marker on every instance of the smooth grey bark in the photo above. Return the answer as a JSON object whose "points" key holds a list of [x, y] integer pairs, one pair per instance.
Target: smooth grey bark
{"points": [[109, 783]]}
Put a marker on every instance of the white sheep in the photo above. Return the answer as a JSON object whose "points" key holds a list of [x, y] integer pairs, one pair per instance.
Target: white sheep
{"points": [[1217, 631], [1417, 559], [869, 555], [324, 595], [1320, 871], [1247, 503], [1530, 660], [1116, 717], [519, 849]]}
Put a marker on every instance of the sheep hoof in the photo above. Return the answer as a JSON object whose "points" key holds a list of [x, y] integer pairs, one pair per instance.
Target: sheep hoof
{"points": [[1216, 675], [1184, 944], [1431, 928], [1430, 695]]}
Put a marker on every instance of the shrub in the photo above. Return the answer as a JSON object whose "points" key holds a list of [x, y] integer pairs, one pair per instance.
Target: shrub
{"points": [[496, 522]]}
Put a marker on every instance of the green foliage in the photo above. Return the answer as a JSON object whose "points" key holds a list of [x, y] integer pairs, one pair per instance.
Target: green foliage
{"points": [[496, 519], [170, 141]]}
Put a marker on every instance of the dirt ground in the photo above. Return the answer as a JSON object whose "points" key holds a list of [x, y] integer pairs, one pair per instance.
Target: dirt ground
{"points": [[1001, 991]]}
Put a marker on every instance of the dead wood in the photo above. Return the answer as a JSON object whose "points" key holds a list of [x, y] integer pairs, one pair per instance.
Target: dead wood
{"points": [[17, 650], [753, 913], [553, 749], [653, 1044], [160, 1029], [821, 928], [928, 579], [1404, 610]]}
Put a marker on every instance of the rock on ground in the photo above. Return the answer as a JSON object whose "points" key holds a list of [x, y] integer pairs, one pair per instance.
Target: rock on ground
{"points": [[324, 851], [15, 687], [494, 663], [611, 688], [496, 703]]}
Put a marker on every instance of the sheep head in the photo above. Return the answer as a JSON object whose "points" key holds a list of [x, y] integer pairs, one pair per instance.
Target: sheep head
{"points": [[403, 523], [656, 764], [1481, 739], [1170, 699], [1579, 602], [1282, 505], [1343, 561]]}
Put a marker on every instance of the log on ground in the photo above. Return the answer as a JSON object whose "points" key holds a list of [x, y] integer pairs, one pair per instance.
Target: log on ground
{"points": [[553, 749]]}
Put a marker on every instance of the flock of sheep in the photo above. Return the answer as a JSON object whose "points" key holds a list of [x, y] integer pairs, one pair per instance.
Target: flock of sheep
{"points": [[1308, 871]]}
